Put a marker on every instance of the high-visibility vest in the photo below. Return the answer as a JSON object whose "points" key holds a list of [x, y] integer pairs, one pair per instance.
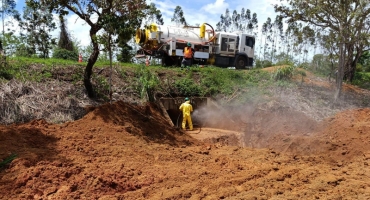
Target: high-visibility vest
{"points": [[188, 53]]}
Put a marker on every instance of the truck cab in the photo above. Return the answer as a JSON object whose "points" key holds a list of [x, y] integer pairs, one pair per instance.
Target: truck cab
{"points": [[235, 49]]}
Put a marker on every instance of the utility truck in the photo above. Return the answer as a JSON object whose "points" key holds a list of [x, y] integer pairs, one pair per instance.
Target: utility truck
{"points": [[211, 48]]}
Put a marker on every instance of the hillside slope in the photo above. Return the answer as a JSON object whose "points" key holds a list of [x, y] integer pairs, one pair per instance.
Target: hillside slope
{"points": [[124, 152], [276, 149]]}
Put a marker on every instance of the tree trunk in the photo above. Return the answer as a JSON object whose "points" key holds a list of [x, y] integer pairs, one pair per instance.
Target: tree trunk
{"points": [[340, 72], [90, 63], [354, 63]]}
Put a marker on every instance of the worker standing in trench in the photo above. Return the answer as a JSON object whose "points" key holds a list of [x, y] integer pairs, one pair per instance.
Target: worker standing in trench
{"points": [[186, 109], [188, 56]]}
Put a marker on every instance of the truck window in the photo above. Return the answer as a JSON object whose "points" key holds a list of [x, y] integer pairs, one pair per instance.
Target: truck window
{"points": [[231, 45], [249, 41], [224, 44]]}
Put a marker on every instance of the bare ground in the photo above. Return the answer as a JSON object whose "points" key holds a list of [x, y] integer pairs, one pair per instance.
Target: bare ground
{"points": [[295, 146]]}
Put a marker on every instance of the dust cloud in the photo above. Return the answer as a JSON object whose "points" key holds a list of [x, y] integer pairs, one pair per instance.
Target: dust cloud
{"points": [[261, 125]]}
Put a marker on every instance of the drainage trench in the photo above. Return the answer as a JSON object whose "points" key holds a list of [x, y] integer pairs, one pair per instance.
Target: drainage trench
{"points": [[171, 105]]}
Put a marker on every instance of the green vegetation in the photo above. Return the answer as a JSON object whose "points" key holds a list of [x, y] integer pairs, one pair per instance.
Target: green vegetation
{"points": [[283, 73], [34, 76], [362, 79], [144, 81], [65, 54], [7, 160], [187, 87], [263, 63]]}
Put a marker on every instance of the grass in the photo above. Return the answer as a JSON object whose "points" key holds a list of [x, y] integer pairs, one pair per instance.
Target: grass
{"points": [[7, 161], [146, 83], [283, 73], [208, 81]]}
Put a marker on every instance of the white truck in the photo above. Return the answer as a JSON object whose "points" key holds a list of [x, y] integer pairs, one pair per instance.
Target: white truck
{"points": [[214, 48]]}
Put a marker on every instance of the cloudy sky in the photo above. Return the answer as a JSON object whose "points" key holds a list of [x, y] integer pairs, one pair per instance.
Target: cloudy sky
{"points": [[195, 11]]}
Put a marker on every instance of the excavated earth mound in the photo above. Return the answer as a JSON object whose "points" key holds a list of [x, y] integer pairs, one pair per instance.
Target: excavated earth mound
{"points": [[339, 139], [123, 151]]}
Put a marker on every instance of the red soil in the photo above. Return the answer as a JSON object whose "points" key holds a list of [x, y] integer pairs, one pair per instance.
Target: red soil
{"points": [[121, 151]]}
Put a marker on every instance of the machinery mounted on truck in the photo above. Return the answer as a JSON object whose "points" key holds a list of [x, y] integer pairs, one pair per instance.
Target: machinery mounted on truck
{"points": [[213, 48]]}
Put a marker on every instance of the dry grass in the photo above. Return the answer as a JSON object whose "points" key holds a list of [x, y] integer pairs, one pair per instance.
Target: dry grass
{"points": [[274, 68], [54, 101]]}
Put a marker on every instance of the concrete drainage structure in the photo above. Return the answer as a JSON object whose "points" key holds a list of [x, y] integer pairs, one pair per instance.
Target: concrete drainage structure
{"points": [[171, 106]]}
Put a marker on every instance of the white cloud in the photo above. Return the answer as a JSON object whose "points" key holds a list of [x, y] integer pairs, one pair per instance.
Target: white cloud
{"points": [[218, 7], [166, 7], [78, 29], [192, 14], [263, 8], [199, 18]]}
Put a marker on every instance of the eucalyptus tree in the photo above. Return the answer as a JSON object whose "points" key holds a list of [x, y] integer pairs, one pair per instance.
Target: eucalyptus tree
{"points": [[235, 21], [8, 8], [298, 40], [36, 25], [287, 40], [220, 25], [347, 20], [245, 16], [308, 40], [253, 25], [249, 21], [263, 40], [244, 21], [178, 16], [118, 18], [225, 22], [266, 34], [276, 35]]}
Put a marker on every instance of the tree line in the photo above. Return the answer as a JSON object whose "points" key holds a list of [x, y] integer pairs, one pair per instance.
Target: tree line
{"points": [[339, 30], [115, 20]]}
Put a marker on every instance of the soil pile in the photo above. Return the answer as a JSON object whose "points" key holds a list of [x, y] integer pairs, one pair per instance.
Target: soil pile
{"points": [[122, 151], [100, 152], [339, 139]]}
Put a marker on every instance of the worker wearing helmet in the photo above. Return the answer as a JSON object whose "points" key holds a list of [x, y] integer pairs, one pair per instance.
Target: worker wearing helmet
{"points": [[188, 56], [186, 109]]}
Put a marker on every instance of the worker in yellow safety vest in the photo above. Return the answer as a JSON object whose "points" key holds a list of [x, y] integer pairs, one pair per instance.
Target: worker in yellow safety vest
{"points": [[188, 56], [186, 109]]}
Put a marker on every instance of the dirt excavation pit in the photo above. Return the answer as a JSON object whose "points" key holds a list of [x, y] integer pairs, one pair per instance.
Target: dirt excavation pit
{"points": [[250, 125], [125, 151]]}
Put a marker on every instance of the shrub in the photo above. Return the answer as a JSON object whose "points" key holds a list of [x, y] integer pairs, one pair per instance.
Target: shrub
{"points": [[263, 63], [65, 54], [359, 68], [187, 87], [362, 79], [283, 73], [147, 83]]}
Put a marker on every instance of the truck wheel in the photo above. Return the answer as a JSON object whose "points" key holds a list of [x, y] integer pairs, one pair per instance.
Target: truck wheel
{"points": [[241, 62]]}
